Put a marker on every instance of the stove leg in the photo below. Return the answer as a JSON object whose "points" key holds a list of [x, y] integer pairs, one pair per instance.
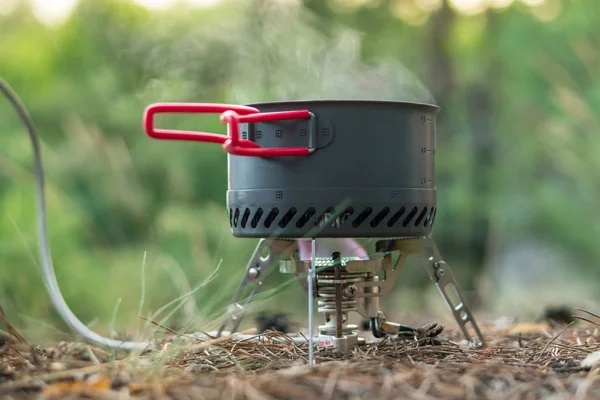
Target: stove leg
{"points": [[441, 274], [257, 270]]}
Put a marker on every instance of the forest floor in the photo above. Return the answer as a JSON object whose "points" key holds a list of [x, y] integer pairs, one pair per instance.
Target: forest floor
{"points": [[520, 361]]}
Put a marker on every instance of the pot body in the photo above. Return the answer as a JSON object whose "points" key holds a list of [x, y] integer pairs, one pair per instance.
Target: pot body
{"points": [[372, 173]]}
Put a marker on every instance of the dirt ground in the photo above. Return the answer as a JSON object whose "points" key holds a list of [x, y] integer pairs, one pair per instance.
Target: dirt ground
{"points": [[522, 361]]}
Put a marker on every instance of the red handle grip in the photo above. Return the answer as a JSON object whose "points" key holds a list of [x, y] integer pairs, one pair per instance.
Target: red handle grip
{"points": [[232, 115]]}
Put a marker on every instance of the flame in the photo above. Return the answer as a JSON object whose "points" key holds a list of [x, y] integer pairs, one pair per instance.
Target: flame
{"points": [[325, 247]]}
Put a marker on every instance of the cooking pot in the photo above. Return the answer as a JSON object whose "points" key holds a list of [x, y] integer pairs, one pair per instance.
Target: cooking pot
{"points": [[326, 168]]}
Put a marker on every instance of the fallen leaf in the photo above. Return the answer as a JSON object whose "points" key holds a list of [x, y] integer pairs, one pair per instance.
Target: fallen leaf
{"points": [[527, 327], [90, 386]]}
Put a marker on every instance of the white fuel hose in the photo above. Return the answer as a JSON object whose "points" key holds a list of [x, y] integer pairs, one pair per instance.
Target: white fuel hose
{"points": [[44, 246]]}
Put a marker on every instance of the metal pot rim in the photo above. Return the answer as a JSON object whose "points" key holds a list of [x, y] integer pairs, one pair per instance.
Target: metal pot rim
{"points": [[349, 102]]}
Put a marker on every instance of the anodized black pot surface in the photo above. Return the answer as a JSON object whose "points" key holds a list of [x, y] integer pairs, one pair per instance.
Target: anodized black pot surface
{"points": [[374, 165]]}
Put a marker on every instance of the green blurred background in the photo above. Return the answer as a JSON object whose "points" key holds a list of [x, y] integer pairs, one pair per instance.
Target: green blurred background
{"points": [[518, 155]]}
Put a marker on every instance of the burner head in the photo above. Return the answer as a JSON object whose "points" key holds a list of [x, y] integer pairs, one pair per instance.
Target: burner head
{"points": [[371, 175]]}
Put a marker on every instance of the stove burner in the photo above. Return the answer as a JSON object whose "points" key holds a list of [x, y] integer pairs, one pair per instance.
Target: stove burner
{"points": [[351, 284]]}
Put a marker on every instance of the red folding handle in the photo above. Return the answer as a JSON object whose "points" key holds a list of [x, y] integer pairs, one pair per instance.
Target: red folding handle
{"points": [[232, 115]]}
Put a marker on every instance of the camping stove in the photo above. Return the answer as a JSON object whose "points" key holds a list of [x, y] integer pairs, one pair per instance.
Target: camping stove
{"points": [[310, 179]]}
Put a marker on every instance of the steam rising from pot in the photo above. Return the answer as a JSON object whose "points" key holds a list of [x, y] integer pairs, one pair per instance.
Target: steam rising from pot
{"points": [[284, 57], [271, 50]]}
